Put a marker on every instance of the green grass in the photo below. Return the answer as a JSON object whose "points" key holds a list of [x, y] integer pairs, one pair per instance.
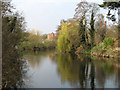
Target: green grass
{"points": [[87, 51]]}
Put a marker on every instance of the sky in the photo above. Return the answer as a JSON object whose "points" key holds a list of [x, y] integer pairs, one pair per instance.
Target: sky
{"points": [[45, 15]]}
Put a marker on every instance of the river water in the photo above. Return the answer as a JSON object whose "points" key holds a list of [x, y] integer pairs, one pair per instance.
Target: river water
{"points": [[49, 70]]}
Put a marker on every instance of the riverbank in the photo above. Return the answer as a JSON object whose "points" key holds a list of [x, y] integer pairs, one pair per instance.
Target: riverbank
{"points": [[37, 48], [108, 48], [105, 53], [114, 54]]}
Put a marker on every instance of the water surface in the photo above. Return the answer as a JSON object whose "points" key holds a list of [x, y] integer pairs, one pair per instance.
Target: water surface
{"points": [[49, 70]]}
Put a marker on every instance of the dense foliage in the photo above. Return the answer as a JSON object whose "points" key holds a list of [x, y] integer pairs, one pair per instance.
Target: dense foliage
{"points": [[13, 26], [81, 34], [34, 39], [92, 34], [106, 48], [68, 37]]}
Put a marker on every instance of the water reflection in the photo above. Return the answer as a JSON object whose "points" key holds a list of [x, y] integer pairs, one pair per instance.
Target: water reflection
{"points": [[67, 71], [80, 72], [36, 58]]}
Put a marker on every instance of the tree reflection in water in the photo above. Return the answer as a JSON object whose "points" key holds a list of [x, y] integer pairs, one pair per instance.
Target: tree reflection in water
{"points": [[85, 64], [86, 71], [70, 71], [36, 58]]}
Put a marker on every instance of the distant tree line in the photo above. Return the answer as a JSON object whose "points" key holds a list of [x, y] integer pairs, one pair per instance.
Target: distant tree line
{"points": [[36, 41]]}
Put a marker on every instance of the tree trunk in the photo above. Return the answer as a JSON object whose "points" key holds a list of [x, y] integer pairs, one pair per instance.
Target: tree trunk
{"points": [[119, 42]]}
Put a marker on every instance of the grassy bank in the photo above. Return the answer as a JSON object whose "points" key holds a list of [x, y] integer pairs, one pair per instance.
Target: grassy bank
{"points": [[107, 48]]}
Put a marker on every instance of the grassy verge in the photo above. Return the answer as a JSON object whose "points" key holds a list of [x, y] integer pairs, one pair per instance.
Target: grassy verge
{"points": [[107, 48]]}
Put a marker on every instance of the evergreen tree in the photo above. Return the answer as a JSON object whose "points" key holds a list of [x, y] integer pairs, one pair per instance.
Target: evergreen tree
{"points": [[81, 32], [92, 29], [111, 6]]}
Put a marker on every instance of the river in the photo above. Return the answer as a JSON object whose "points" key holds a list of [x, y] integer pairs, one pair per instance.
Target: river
{"points": [[45, 69]]}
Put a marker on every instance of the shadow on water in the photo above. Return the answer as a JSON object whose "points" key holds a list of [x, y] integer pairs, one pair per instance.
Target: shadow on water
{"points": [[72, 71]]}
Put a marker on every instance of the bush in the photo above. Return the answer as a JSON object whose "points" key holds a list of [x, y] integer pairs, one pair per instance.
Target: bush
{"points": [[98, 47], [105, 45], [108, 42]]}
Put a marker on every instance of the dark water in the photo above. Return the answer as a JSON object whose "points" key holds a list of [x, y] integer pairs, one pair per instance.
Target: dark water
{"points": [[48, 70]]}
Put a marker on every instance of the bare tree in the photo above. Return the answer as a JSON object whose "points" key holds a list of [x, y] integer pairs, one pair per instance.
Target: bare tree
{"points": [[99, 29]]}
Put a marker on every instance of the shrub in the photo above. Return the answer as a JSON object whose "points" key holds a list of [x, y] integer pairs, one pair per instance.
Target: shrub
{"points": [[105, 45], [108, 42]]}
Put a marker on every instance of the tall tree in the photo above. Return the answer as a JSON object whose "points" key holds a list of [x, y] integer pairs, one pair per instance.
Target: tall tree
{"points": [[81, 10], [12, 29], [68, 37], [82, 15], [92, 29], [81, 32], [99, 29], [111, 6]]}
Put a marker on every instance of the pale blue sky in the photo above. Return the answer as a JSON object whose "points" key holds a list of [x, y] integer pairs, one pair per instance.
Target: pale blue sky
{"points": [[45, 15]]}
